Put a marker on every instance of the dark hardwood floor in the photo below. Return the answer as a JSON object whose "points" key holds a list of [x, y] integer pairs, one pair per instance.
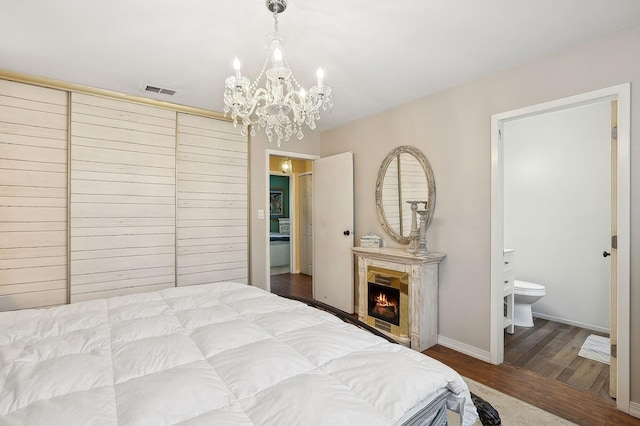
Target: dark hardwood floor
{"points": [[551, 350], [298, 285], [559, 398], [562, 399]]}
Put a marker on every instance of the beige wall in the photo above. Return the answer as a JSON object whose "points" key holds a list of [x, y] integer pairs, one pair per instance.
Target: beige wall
{"points": [[258, 157], [452, 128]]}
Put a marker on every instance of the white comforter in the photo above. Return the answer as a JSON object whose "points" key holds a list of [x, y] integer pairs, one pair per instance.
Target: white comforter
{"points": [[217, 354]]}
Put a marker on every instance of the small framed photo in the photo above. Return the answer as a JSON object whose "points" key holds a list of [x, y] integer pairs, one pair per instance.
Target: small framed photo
{"points": [[276, 207]]}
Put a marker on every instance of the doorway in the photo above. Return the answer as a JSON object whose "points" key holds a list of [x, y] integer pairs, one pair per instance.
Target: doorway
{"points": [[557, 221], [289, 224], [620, 301], [331, 211]]}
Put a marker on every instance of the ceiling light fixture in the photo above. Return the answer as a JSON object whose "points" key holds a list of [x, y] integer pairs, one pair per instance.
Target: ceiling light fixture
{"points": [[282, 106], [286, 166]]}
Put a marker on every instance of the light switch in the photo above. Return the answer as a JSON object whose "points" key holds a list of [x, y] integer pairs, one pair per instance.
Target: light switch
{"points": [[260, 214]]}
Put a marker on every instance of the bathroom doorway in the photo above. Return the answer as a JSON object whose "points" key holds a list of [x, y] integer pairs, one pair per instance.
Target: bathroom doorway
{"points": [[502, 125], [557, 214]]}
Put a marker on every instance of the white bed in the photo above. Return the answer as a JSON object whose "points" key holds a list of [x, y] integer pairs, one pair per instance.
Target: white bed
{"points": [[223, 353]]}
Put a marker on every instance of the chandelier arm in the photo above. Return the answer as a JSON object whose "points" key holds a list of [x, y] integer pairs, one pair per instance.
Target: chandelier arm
{"points": [[317, 103], [259, 95], [291, 94], [301, 111]]}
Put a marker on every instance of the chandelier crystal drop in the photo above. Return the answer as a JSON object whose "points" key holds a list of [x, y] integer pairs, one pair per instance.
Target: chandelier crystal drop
{"points": [[282, 106]]}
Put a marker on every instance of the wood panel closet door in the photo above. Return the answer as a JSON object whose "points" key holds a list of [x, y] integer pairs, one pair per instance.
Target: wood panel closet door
{"points": [[122, 198], [33, 196], [212, 231]]}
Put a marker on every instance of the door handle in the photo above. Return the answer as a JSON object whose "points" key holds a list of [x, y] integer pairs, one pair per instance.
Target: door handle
{"points": [[346, 233], [605, 253]]}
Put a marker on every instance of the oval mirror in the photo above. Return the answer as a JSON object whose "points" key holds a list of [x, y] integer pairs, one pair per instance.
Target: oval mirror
{"points": [[405, 175]]}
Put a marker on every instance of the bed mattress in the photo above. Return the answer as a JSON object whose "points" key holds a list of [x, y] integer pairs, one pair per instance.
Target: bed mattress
{"points": [[223, 353]]}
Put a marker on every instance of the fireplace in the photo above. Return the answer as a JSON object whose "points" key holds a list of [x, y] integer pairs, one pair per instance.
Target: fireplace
{"points": [[415, 278], [387, 300]]}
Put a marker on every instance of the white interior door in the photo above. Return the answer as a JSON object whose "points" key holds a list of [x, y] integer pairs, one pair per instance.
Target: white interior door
{"points": [[306, 224], [333, 225]]}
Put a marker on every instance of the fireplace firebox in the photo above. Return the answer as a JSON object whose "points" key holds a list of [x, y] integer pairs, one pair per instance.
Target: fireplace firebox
{"points": [[387, 300], [384, 303]]}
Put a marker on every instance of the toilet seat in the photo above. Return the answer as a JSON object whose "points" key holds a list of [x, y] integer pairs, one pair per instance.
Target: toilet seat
{"points": [[527, 288]]}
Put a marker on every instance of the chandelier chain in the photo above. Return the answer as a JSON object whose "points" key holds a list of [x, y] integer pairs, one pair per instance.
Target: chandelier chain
{"points": [[275, 18]]}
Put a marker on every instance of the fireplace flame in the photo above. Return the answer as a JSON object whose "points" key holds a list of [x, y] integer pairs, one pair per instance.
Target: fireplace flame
{"points": [[381, 300]]}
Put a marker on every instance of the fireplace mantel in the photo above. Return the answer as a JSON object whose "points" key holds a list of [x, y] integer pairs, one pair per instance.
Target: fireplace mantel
{"points": [[423, 289]]}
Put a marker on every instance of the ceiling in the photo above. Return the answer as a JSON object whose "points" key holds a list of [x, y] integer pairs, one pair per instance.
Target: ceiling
{"points": [[375, 54]]}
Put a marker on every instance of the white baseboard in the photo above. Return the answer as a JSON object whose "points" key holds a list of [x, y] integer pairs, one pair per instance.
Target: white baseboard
{"points": [[573, 323], [464, 348], [634, 409]]}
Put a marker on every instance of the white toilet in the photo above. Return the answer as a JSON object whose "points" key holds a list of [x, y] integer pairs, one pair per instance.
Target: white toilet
{"points": [[524, 295]]}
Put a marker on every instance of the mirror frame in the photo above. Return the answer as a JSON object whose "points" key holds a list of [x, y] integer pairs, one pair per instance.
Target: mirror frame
{"points": [[431, 188]]}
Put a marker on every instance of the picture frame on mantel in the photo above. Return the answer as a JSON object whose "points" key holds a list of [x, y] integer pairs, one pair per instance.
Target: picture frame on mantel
{"points": [[276, 204]]}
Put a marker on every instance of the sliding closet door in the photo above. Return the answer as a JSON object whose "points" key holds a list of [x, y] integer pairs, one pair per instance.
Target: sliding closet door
{"points": [[33, 196], [212, 240], [122, 197]]}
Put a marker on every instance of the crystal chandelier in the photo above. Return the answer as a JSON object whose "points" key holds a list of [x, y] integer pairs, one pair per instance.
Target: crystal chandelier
{"points": [[282, 106]]}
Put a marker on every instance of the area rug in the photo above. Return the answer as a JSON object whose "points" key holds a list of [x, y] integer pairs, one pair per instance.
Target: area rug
{"points": [[596, 348], [512, 411]]}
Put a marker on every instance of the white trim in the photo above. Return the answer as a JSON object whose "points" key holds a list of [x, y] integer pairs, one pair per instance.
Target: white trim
{"points": [[293, 219], [634, 409], [496, 344], [624, 246], [464, 348], [268, 154], [623, 94], [300, 175], [573, 323]]}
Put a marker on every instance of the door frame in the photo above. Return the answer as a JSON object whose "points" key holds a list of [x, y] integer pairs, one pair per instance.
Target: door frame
{"points": [[623, 94], [292, 155]]}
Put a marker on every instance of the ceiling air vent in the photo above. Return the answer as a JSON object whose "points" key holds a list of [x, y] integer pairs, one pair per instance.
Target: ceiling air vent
{"points": [[160, 90]]}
